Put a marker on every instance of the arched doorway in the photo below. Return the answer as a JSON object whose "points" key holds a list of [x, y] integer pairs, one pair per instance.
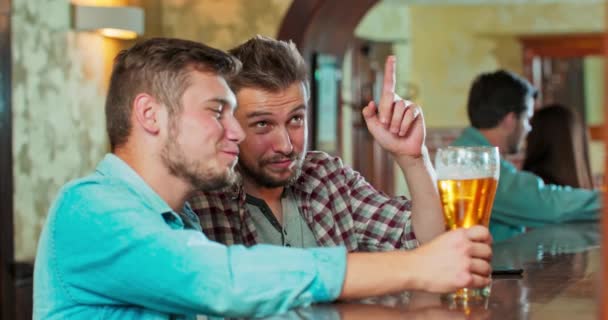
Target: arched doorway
{"points": [[324, 26]]}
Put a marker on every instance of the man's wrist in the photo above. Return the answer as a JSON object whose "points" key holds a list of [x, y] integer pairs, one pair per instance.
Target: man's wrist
{"points": [[408, 277], [408, 161]]}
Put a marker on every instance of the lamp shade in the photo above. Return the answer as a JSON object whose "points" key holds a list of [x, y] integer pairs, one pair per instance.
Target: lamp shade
{"points": [[117, 22]]}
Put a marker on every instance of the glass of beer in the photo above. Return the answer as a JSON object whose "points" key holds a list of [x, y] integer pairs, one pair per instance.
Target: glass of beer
{"points": [[467, 178]]}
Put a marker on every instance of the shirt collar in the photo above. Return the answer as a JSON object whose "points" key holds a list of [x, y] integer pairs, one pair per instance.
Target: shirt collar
{"points": [[113, 166], [473, 135]]}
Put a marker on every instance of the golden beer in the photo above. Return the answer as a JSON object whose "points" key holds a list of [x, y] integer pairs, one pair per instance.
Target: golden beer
{"points": [[467, 178], [467, 202]]}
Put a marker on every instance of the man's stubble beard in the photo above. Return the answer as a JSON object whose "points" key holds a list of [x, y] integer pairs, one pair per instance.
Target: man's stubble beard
{"points": [[199, 178], [260, 178]]}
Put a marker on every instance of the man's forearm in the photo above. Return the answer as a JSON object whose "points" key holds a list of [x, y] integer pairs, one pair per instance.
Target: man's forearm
{"points": [[427, 218], [376, 274]]}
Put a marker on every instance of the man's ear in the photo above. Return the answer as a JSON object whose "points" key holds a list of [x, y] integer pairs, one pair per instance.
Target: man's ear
{"points": [[508, 122], [146, 112]]}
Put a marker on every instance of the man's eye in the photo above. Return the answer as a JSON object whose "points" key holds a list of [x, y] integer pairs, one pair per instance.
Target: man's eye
{"points": [[261, 124], [297, 119], [217, 113]]}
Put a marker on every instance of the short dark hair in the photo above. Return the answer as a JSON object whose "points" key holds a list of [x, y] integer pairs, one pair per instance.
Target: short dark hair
{"points": [[494, 95], [161, 68], [269, 64]]}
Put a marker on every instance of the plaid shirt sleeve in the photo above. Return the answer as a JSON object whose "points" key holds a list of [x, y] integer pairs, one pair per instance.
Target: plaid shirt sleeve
{"points": [[381, 223]]}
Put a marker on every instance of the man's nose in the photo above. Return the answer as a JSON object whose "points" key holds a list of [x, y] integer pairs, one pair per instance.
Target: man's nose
{"points": [[234, 131], [283, 142]]}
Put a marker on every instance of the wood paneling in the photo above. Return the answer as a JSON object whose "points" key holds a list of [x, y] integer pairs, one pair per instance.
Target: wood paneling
{"points": [[558, 47], [596, 133], [603, 306], [23, 290], [6, 168], [563, 46]]}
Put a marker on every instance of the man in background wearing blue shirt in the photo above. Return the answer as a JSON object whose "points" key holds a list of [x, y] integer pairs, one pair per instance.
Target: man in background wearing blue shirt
{"points": [[122, 243], [500, 106]]}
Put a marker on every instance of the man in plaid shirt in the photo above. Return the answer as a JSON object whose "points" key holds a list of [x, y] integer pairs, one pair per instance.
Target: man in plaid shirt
{"points": [[291, 197]]}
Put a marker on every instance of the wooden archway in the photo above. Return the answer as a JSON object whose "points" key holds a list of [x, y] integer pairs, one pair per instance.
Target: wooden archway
{"points": [[322, 25]]}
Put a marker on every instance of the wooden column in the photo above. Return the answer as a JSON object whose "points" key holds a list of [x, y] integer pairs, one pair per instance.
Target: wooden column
{"points": [[602, 301], [6, 167]]}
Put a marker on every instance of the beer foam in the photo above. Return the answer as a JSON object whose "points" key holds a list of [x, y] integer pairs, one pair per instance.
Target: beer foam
{"points": [[464, 173], [466, 163]]}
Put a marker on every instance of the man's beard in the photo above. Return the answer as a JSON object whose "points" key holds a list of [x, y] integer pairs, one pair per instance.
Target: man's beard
{"points": [[261, 178], [203, 179]]}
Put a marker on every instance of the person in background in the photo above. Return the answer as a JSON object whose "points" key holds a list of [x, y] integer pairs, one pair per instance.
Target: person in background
{"points": [[500, 105], [294, 197], [123, 243], [557, 149]]}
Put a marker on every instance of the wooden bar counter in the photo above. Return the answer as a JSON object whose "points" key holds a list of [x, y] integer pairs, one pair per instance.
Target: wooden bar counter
{"points": [[561, 266]]}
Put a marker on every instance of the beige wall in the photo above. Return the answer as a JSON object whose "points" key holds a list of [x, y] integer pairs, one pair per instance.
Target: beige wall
{"points": [[594, 107], [593, 68], [225, 23], [58, 127], [452, 44], [59, 84]]}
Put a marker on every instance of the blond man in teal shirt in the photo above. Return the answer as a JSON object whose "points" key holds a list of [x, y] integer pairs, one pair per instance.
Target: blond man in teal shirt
{"points": [[122, 243], [500, 106]]}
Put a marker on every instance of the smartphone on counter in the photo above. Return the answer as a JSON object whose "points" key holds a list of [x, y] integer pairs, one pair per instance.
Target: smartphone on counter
{"points": [[507, 271]]}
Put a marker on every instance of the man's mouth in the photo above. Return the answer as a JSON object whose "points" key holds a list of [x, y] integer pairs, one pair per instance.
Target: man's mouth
{"points": [[283, 164]]}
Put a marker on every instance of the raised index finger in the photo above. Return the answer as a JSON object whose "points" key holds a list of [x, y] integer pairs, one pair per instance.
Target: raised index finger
{"points": [[388, 90]]}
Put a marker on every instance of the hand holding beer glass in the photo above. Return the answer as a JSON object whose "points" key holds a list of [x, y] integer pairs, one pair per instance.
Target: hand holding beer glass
{"points": [[467, 178]]}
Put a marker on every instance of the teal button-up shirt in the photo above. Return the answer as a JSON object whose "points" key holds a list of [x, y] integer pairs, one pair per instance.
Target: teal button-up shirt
{"points": [[524, 200], [111, 248]]}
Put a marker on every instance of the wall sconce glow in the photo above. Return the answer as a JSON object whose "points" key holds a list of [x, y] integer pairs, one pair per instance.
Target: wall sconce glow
{"points": [[118, 33], [114, 22]]}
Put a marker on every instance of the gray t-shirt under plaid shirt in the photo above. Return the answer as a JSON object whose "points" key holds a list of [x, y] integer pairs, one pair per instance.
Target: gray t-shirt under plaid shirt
{"points": [[294, 232]]}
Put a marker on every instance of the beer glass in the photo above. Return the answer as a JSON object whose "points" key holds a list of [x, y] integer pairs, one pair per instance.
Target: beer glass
{"points": [[467, 178]]}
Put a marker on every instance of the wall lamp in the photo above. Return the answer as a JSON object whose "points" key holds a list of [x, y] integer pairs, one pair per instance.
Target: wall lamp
{"points": [[114, 22]]}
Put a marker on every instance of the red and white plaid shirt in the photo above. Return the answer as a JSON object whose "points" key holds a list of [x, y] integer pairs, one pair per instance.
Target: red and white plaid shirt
{"points": [[340, 207]]}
